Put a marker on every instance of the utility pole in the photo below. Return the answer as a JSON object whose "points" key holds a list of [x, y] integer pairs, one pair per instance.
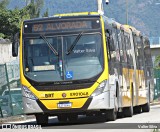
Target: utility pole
{"points": [[100, 6], [127, 12]]}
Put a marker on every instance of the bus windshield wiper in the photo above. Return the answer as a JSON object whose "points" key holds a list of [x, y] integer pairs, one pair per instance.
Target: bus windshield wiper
{"points": [[49, 44], [74, 43]]}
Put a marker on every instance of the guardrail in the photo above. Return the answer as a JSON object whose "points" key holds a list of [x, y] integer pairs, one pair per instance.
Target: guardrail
{"points": [[9, 72], [157, 83], [10, 91]]}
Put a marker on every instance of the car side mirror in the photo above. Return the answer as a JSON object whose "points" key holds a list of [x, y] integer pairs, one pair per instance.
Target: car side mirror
{"points": [[15, 45]]}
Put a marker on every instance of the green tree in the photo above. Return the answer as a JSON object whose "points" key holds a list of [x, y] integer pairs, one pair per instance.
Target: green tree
{"points": [[3, 4], [34, 8], [10, 21], [157, 62], [46, 13]]}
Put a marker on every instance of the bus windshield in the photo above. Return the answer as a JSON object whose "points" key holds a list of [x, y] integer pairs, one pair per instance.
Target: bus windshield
{"points": [[84, 61]]}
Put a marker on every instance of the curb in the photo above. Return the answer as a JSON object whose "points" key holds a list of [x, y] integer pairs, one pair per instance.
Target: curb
{"points": [[154, 103], [16, 118]]}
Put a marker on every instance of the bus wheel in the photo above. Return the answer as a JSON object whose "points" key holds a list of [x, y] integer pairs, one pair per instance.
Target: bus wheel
{"points": [[111, 115], [42, 119], [137, 109], [62, 118], [146, 107], [72, 117], [128, 111]]}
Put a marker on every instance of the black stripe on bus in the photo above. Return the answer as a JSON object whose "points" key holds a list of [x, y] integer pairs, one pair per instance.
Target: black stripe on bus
{"points": [[82, 109]]}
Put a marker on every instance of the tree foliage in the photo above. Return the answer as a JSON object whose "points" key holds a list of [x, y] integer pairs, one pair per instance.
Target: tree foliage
{"points": [[46, 14], [10, 20], [157, 62], [3, 4], [34, 8]]}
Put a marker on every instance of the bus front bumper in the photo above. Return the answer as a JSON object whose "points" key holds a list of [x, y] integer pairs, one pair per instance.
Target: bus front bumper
{"points": [[102, 101]]}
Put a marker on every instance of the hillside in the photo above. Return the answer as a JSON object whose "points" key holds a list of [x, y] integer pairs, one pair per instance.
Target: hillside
{"points": [[143, 14]]}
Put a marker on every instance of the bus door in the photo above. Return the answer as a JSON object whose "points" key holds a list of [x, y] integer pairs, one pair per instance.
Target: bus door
{"points": [[115, 70], [127, 42], [125, 61], [148, 68], [140, 72]]}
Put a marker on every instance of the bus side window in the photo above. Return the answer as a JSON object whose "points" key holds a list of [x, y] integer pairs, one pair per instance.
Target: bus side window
{"points": [[147, 58], [128, 49], [139, 52], [108, 34], [122, 43], [113, 46], [109, 40]]}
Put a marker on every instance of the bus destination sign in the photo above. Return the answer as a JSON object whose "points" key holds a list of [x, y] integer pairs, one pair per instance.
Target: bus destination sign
{"points": [[61, 26]]}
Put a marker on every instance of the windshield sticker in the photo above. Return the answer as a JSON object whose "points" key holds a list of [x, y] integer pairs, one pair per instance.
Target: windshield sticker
{"points": [[69, 74], [78, 51], [44, 68]]}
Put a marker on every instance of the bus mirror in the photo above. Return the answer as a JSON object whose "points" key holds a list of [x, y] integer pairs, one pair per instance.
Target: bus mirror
{"points": [[15, 45]]}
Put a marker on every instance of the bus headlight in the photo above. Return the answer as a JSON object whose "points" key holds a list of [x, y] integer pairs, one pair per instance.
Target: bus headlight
{"points": [[28, 93], [100, 88]]}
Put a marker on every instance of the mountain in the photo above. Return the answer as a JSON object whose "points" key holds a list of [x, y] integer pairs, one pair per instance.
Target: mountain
{"points": [[142, 14]]}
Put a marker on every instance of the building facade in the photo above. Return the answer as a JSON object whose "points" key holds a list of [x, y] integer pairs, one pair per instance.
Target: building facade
{"points": [[6, 51]]}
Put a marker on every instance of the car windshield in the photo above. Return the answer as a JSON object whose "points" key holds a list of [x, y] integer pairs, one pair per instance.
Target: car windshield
{"points": [[84, 61]]}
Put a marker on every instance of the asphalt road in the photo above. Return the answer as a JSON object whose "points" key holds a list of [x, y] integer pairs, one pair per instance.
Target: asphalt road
{"points": [[137, 121], [141, 122]]}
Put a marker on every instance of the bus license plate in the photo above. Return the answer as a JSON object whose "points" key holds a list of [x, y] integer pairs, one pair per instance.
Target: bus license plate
{"points": [[65, 105]]}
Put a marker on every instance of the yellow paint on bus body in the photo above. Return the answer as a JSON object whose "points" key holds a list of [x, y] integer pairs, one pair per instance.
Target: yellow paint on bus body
{"points": [[78, 98], [75, 103], [77, 14]]}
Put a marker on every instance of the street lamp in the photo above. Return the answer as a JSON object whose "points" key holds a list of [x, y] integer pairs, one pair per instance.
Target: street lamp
{"points": [[107, 1]]}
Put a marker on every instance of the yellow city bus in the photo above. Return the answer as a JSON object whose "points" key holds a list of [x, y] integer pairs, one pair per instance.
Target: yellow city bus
{"points": [[83, 64]]}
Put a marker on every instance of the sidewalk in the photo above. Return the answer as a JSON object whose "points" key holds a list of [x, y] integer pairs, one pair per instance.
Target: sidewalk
{"points": [[155, 103], [16, 118]]}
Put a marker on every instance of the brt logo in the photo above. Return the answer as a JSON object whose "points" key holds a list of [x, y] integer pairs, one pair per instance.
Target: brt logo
{"points": [[49, 95]]}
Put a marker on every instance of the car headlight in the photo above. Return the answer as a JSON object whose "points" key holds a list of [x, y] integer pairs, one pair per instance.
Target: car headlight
{"points": [[28, 93], [100, 88]]}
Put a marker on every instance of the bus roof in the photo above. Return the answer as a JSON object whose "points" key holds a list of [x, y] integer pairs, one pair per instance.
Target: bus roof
{"points": [[77, 14], [67, 15]]}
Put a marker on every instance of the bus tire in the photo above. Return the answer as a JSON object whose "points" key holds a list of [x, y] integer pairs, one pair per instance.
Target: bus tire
{"points": [[62, 118], [128, 111], [137, 109], [146, 107], [111, 115], [42, 119], [73, 117]]}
